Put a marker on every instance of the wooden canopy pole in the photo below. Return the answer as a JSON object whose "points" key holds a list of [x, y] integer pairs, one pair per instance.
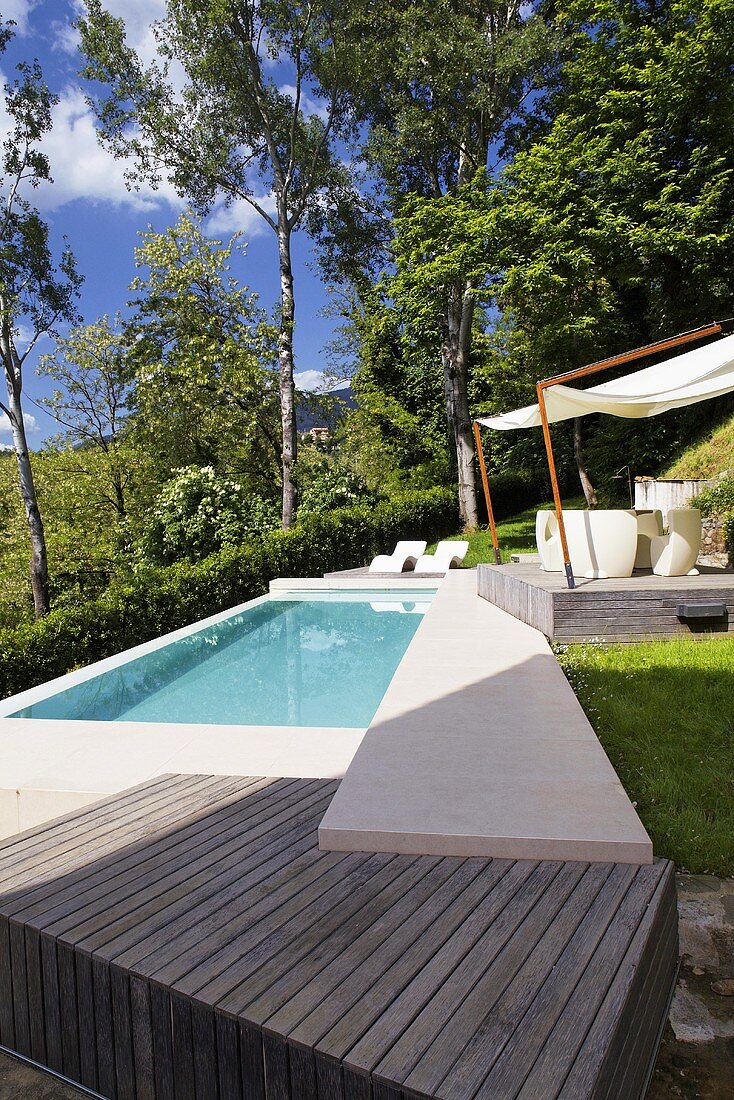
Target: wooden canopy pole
{"points": [[487, 497], [592, 368], [554, 483]]}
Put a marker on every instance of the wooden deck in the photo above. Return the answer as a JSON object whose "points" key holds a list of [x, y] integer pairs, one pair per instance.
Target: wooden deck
{"points": [[624, 609], [187, 940]]}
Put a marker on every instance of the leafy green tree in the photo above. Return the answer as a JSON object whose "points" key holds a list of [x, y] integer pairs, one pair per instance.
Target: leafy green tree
{"points": [[206, 388], [35, 293], [326, 482], [232, 128], [618, 224], [396, 437], [92, 365], [442, 84]]}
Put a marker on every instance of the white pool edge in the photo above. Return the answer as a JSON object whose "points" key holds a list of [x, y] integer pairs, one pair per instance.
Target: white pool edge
{"points": [[52, 766]]}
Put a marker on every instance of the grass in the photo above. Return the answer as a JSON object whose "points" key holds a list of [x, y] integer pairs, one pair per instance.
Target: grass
{"points": [[516, 536], [707, 457], [664, 712]]}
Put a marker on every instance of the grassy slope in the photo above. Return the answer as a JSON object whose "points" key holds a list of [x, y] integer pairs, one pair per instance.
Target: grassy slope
{"points": [[664, 712], [708, 457]]}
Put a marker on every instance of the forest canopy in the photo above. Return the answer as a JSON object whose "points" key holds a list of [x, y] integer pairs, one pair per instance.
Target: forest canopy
{"points": [[492, 191]]}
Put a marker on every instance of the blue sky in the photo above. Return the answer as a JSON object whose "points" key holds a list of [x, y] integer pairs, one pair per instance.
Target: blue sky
{"points": [[89, 201]]}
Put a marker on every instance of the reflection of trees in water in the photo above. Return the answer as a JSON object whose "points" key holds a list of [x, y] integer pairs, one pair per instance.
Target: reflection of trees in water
{"points": [[278, 663], [111, 694]]}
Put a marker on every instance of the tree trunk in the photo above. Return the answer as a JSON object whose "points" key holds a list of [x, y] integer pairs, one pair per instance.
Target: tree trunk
{"points": [[38, 564], [455, 358], [287, 385], [589, 490]]}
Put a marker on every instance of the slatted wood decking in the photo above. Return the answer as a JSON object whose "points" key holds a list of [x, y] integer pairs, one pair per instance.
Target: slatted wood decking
{"points": [[187, 940], [624, 609]]}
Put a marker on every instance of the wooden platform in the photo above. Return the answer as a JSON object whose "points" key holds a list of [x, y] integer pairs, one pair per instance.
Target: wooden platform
{"points": [[187, 940], [626, 609]]}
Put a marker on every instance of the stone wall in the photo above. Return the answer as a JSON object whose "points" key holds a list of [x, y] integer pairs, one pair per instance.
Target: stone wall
{"points": [[713, 544]]}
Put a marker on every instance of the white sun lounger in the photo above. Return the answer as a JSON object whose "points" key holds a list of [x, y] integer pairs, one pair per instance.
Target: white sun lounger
{"points": [[448, 555], [403, 558]]}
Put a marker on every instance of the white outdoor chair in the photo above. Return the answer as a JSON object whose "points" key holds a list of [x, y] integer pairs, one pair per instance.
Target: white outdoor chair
{"points": [[649, 527], [402, 559], [548, 541], [448, 555], [674, 554]]}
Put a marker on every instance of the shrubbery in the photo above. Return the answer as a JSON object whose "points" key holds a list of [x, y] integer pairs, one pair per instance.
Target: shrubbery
{"points": [[199, 512], [514, 492], [718, 499], [160, 599]]}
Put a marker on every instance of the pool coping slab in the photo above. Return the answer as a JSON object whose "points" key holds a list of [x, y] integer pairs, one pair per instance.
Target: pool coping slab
{"points": [[480, 748]]}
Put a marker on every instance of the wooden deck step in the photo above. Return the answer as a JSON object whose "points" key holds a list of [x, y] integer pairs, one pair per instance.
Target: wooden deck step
{"points": [[187, 939]]}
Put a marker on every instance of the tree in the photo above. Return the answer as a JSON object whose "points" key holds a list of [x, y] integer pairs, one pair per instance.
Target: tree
{"points": [[617, 225], [206, 389], [232, 126], [441, 84], [35, 293], [92, 365]]}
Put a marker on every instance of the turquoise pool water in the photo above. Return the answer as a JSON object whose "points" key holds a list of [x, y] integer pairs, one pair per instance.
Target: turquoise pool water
{"points": [[320, 660]]}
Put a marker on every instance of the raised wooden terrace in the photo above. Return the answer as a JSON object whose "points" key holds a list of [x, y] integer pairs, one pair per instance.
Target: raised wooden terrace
{"points": [[622, 609], [187, 940]]}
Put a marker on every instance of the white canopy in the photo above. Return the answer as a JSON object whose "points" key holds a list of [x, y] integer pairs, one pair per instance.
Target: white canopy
{"points": [[684, 380]]}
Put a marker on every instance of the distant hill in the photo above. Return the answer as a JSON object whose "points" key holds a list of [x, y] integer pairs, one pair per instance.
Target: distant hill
{"points": [[323, 410]]}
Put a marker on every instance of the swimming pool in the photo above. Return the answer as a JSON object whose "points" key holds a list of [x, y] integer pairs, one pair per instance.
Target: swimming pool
{"points": [[315, 658]]}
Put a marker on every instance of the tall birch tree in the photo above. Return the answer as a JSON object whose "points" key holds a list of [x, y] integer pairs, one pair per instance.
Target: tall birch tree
{"points": [[35, 293], [442, 84], [250, 121]]}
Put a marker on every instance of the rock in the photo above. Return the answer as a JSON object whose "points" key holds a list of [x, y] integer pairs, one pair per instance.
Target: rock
{"points": [[725, 988]]}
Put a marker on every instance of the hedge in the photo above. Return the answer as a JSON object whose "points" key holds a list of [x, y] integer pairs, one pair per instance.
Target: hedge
{"points": [[160, 600], [513, 492]]}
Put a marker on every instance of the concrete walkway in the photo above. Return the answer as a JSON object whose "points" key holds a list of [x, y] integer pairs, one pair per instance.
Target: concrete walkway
{"points": [[480, 748]]}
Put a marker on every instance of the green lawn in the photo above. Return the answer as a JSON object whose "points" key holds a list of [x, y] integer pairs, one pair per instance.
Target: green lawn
{"points": [[664, 712], [516, 536]]}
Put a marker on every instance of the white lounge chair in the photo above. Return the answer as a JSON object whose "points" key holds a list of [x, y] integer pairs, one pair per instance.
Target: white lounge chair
{"points": [[448, 555], [675, 554], [403, 558]]}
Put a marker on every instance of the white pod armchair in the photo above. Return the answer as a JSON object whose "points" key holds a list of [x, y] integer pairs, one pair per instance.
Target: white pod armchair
{"points": [[602, 543], [548, 541], [675, 554]]}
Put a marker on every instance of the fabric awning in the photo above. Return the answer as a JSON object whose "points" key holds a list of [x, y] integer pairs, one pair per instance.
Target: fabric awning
{"points": [[683, 380]]}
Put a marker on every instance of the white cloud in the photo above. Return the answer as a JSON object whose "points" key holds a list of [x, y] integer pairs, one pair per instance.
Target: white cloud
{"points": [[241, 217], [317, 381], [65, 37], [18, 11], [31, 424], [309, 105], [83, 169]]}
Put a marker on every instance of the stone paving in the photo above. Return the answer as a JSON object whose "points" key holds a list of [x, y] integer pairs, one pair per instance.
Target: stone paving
{"points": [[696, 1058], [19, 1081]]}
